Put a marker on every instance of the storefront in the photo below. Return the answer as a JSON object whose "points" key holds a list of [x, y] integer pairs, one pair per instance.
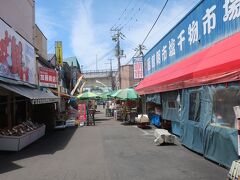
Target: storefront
{"points": [[20, 122], [196, 70]]}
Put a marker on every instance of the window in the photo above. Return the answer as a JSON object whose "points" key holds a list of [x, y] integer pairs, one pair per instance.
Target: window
{"points": [[223, 102], [194, 106]]}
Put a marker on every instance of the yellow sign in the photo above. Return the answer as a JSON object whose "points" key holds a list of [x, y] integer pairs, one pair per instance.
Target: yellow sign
{"points": [[58, 52]]}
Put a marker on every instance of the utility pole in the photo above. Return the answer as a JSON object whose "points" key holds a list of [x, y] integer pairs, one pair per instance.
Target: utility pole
{"points": [[116, 37], [140, 48], [111, 74]]}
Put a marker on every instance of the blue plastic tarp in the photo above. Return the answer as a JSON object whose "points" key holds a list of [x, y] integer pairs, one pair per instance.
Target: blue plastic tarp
{"points": [[215, 142]]}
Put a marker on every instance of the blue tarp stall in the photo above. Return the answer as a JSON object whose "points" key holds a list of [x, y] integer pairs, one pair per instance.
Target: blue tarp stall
{"points": [[156, 120], [171, 109], [156, 99], [208, 121]]}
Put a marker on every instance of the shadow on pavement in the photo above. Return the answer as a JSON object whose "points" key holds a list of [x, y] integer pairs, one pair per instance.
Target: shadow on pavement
{"points": [[48, 144]]}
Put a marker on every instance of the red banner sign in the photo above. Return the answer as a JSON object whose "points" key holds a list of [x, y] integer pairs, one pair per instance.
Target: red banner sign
{"points": [[48, 77], [138, 68], [82, 112]]}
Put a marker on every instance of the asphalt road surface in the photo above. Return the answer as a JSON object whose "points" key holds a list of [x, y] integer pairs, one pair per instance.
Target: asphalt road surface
{"points": [[107, 151]]}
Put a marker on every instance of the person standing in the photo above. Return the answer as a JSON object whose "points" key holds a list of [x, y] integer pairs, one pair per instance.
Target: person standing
{"points": [[104, 104]]}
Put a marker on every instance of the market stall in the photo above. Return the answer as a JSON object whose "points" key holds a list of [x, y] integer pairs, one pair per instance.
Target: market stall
{"points": [[20, 136], [88, 98], [127, 107]]}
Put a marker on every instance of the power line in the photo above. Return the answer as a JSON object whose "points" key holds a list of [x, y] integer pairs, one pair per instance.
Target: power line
{"points": [[135, 13], [149, 31], [174, 18], [121, 15], [128, 14], [101, 58], [155, 22]]}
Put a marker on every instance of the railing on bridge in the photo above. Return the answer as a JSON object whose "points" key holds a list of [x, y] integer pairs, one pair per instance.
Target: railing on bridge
{"points": [[98, 73]]}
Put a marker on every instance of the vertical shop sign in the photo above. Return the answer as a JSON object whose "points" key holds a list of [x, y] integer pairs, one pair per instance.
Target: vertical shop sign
{"points": [[138, 67], [17, 56], [82, 113], [58, 52]]}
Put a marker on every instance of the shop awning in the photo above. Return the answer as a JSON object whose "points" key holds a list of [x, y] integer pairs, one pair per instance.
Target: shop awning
{"points": [[35, 95], [217, 64], [63, 95]]}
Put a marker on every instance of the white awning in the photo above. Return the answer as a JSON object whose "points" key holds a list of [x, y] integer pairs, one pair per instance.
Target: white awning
{"points": [[35, 95]]}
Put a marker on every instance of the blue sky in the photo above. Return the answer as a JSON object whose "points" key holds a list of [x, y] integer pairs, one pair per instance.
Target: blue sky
{"points": [[84, 26]]}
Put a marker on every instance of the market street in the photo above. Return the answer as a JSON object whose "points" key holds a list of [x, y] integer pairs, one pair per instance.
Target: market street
{"points": [[106, 151]]}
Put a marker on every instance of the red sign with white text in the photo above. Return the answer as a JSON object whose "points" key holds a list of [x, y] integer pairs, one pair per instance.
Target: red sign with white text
{"points": [[138, 68], [47, 77], [82, 112]]}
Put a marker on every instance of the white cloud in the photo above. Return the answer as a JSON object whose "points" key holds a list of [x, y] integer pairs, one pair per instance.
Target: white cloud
{"points": [[47, 23], [84, 37], [172, 14], [87, 36]]}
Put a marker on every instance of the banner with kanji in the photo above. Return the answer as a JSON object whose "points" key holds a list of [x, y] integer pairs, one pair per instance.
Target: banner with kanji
{"points": [[48, 77], [17, 56], [138, 67], [82, 112]]}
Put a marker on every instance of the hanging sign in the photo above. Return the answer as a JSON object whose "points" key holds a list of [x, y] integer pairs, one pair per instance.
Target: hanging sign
{"points": [[59, 53], [138, 67]]}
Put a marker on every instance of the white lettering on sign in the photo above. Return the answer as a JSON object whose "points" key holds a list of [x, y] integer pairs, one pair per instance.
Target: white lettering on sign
{"points": [[42, 77], [209, 20], [153, 61], [193, 32], [46, 77], [164, 53], [181, 39], [158, 57], [148, 64], [172, 51], [50, 78], [232, 10]]}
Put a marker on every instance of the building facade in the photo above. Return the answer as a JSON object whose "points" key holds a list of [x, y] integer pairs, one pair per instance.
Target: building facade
{"points": [[194, 69], [127, 78], [19, 75]]}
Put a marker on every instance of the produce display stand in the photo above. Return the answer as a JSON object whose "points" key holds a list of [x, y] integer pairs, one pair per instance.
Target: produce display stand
{"points": [[16, 143]]}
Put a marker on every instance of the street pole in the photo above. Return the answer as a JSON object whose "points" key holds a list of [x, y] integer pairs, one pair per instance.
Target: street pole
{"points": [[118, 53], [111, 73], [118, 58]]}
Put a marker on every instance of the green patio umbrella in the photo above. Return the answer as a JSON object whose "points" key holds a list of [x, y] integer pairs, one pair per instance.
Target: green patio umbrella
{"points": [[105, 95], [87, 95], [126, 94], [113, 94]]}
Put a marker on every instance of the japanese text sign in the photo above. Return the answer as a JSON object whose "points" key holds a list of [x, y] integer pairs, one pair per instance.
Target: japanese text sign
{"points": [[17, 56], [59, 54], [209, 22], [48, 77], [82, 112], [138, 68]]}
